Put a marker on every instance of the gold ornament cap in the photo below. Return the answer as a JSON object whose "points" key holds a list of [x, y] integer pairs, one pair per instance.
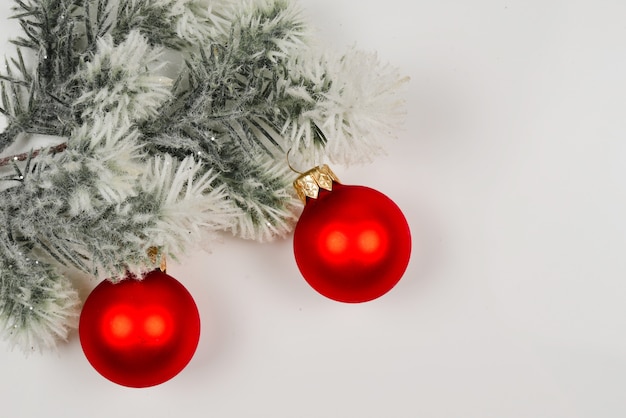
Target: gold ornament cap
{"points": [[153, 253], [310, 182]]}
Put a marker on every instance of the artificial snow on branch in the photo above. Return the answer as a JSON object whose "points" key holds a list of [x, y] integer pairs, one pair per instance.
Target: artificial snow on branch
{"points": [[174, 118]]}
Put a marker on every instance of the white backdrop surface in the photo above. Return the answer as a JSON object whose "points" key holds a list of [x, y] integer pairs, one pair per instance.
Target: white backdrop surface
{"points": [[511, 170]]}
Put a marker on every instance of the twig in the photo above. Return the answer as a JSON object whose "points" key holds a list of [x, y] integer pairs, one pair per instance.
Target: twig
{"points": [[24, 156]]}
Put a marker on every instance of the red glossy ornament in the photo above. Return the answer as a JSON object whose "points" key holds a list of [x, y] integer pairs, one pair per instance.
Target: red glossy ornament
{"points": [[140, 333], [351, 243]]}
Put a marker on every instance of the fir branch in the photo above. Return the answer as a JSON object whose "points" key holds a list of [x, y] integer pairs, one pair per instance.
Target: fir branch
{"points": [[261, 189], [38, 101], [122, 79], [346, 117], [50, 29], [152, 18], [98, 19], [92, 208], [224, 112], [268, 31], [38, 306], [201, 21], [191, 205]]}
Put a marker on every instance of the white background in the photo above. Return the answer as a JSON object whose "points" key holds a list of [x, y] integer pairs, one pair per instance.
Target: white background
{"points": [[511, 171]]}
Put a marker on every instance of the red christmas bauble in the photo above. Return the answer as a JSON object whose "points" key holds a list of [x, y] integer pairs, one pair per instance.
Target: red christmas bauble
{"points": [[140, 333], [352, 244]]}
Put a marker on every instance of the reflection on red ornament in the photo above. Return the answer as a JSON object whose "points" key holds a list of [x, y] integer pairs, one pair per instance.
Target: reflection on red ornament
{"points": [[140, 333], [351, 243]]}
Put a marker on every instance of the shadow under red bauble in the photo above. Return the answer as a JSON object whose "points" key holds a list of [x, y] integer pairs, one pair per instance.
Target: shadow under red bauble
{"points": [[140, 333], [352, 244]]}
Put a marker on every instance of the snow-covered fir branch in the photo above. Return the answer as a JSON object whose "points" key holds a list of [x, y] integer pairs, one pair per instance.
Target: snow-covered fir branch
{"points": [[176, 116], [122, 80], [348, 117]]}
